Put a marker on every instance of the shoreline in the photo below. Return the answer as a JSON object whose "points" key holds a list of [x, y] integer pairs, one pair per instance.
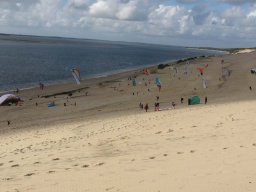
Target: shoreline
{"points": [[112, 73], [108, 96]]}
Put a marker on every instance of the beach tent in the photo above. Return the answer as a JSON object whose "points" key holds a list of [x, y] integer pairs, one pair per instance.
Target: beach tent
{"points": [[194, 100], [9, 98]]}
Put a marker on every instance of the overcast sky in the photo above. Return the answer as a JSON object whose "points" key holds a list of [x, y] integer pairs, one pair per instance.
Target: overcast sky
{"points": [[216, 23]]}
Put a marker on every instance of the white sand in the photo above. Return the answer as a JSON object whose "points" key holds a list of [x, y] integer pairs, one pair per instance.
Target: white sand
{"points": [[245, 51]]}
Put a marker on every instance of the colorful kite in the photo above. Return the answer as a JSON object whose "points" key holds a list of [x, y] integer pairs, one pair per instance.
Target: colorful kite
{"points": [[201, 70], [76, 75]]}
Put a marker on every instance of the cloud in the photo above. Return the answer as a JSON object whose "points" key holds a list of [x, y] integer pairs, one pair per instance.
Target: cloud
{"points": [[188, 1], [236, 2], [133, 19]]}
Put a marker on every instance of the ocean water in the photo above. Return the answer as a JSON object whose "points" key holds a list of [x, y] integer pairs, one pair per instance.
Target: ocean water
{"points": [[26, 61]]}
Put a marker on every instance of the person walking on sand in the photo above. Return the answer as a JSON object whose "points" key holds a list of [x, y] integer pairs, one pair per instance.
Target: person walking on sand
{"points": [[250, 88], [173, 105], [205, 100], [155, 106], [141, 106], [146, 107], [8, 122]]}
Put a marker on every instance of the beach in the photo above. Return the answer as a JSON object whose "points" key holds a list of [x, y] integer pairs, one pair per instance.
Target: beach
{"points": [[102, 141]]}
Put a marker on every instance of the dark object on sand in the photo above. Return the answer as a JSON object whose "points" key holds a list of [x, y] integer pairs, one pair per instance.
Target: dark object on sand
{"points": [[146, 107], [162, 66], [9, 99], [194, 100]]}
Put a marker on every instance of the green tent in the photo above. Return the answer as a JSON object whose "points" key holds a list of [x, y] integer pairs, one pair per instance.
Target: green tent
{"points": [[194, 100]]}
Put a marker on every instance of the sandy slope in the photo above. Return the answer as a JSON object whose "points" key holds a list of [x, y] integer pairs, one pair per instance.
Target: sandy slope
{"points": [[105, 143], [111, 95], [203, 148]]}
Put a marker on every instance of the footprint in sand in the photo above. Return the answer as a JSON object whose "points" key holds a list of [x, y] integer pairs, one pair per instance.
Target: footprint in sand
{"points": [[1, 164], [159, 132], [29, 174], [51, 172], [84, 166], [56, 159], [169, 131], [179, 153], [16, 165], [254, 144], [152, 157], [99, 164], [75, 165], [165, 155], [110, 188], [37, 162], [192, 151], [7, 179]]}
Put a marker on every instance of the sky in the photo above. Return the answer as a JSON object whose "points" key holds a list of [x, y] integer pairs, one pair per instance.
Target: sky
{"points": [[200, 23]]}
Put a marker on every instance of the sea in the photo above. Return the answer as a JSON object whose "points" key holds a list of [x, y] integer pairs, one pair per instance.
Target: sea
{"points": [[26, 61]]}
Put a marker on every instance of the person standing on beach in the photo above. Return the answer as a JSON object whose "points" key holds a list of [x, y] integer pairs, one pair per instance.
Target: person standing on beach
{"points": [[8, 122], [173, 105], [159, 87], [205, 100], [250, 88], [146, 107], [141, 106]]}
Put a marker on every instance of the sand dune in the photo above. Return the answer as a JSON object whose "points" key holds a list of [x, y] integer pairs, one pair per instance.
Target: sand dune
{"points": [[205, 148], [106, 143]]}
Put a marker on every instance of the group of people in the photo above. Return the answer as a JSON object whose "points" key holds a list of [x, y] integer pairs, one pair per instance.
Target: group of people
{"points": [[157, 104], [41, 86], [146, 107]]}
